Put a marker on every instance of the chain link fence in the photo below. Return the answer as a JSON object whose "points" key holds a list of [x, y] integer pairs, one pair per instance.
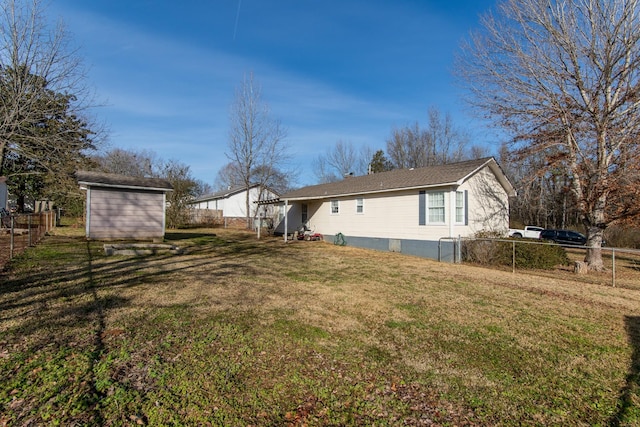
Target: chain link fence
{"points": [[621, 266]]}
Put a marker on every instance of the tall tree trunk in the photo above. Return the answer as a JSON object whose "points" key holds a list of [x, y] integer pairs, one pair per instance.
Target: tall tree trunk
{"points": [[595, 225], [593, 258]]}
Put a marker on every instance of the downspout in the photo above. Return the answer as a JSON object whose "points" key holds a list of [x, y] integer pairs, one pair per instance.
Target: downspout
{"points": [[452, 211]]}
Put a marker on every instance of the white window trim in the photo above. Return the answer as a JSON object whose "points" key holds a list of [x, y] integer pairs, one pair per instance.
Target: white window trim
{"points": [[361, 199], [337, 202], [428, 207], [456, 207]]}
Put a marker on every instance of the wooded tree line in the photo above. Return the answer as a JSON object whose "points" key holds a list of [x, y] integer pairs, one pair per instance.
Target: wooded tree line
{"points": [[413, 145]]}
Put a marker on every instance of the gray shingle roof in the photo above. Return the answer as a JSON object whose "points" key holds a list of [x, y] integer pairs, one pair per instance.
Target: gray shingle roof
{"points": [[101, 179], [399, 179]]}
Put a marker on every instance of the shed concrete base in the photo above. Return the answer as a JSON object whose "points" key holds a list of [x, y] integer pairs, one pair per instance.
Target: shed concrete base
{"points": [[138, 249]]}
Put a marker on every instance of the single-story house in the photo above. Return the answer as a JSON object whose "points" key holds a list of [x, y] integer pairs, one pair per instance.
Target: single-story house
{"points": [[124, 207], [230, 205], [404, 210]]}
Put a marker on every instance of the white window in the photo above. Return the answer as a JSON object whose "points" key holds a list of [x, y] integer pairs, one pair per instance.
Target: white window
{"points": [[360, 205], [460, 209], [305, 213], [435, 207], [335, 207]]}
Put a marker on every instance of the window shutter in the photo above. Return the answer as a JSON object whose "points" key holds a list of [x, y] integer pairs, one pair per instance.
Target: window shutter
{"points": [[422, 206], [466, 207]]}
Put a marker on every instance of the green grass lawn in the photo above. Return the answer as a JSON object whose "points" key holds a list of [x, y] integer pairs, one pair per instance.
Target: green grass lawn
{"points": [[239, 332]]}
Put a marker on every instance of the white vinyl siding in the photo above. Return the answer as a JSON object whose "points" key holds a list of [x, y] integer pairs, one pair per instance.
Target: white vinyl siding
{"points": [[121, 213], [234, 205], [404, 214]]}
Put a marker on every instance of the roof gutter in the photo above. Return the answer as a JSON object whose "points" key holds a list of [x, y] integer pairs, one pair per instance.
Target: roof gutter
{"points": [[128, 187], [386, 190]]}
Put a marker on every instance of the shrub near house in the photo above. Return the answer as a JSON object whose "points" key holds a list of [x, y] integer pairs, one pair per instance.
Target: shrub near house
{"points": [[527, 255]]}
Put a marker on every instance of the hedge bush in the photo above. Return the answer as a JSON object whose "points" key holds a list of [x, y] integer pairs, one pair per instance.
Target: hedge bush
{"points": [[527, 254]]}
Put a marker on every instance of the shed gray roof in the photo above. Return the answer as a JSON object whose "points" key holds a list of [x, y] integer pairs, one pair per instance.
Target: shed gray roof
{"points": [[101, 179], [402, 179]]}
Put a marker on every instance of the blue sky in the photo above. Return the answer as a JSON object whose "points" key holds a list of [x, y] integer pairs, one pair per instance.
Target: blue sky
{"points": [[348, 70]]}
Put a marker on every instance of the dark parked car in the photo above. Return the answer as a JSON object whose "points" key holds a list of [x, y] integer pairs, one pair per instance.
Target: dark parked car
{"points": [[564, 237]]}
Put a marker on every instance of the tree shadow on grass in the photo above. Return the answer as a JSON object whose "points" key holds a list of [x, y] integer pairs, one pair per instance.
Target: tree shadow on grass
{"points": [[50, 316], [57, 303], [628, 410]]}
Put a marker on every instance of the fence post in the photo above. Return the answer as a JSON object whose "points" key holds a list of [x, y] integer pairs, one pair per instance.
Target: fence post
{"points": [[613, 267], [513, 257], [29, 227], [12, 233]]}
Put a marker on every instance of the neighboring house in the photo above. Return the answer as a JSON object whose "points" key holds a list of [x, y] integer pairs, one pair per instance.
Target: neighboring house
{"points": [[124, 207], [230, 205], [405, 210]]}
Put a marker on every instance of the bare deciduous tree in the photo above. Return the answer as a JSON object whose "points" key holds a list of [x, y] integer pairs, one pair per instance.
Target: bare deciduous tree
{"points": [[440, 143], [227, 177], [256, 140], [563, 77], [448, 142], [141, 163], [185, 188], [342, 160], [408, 147]]}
